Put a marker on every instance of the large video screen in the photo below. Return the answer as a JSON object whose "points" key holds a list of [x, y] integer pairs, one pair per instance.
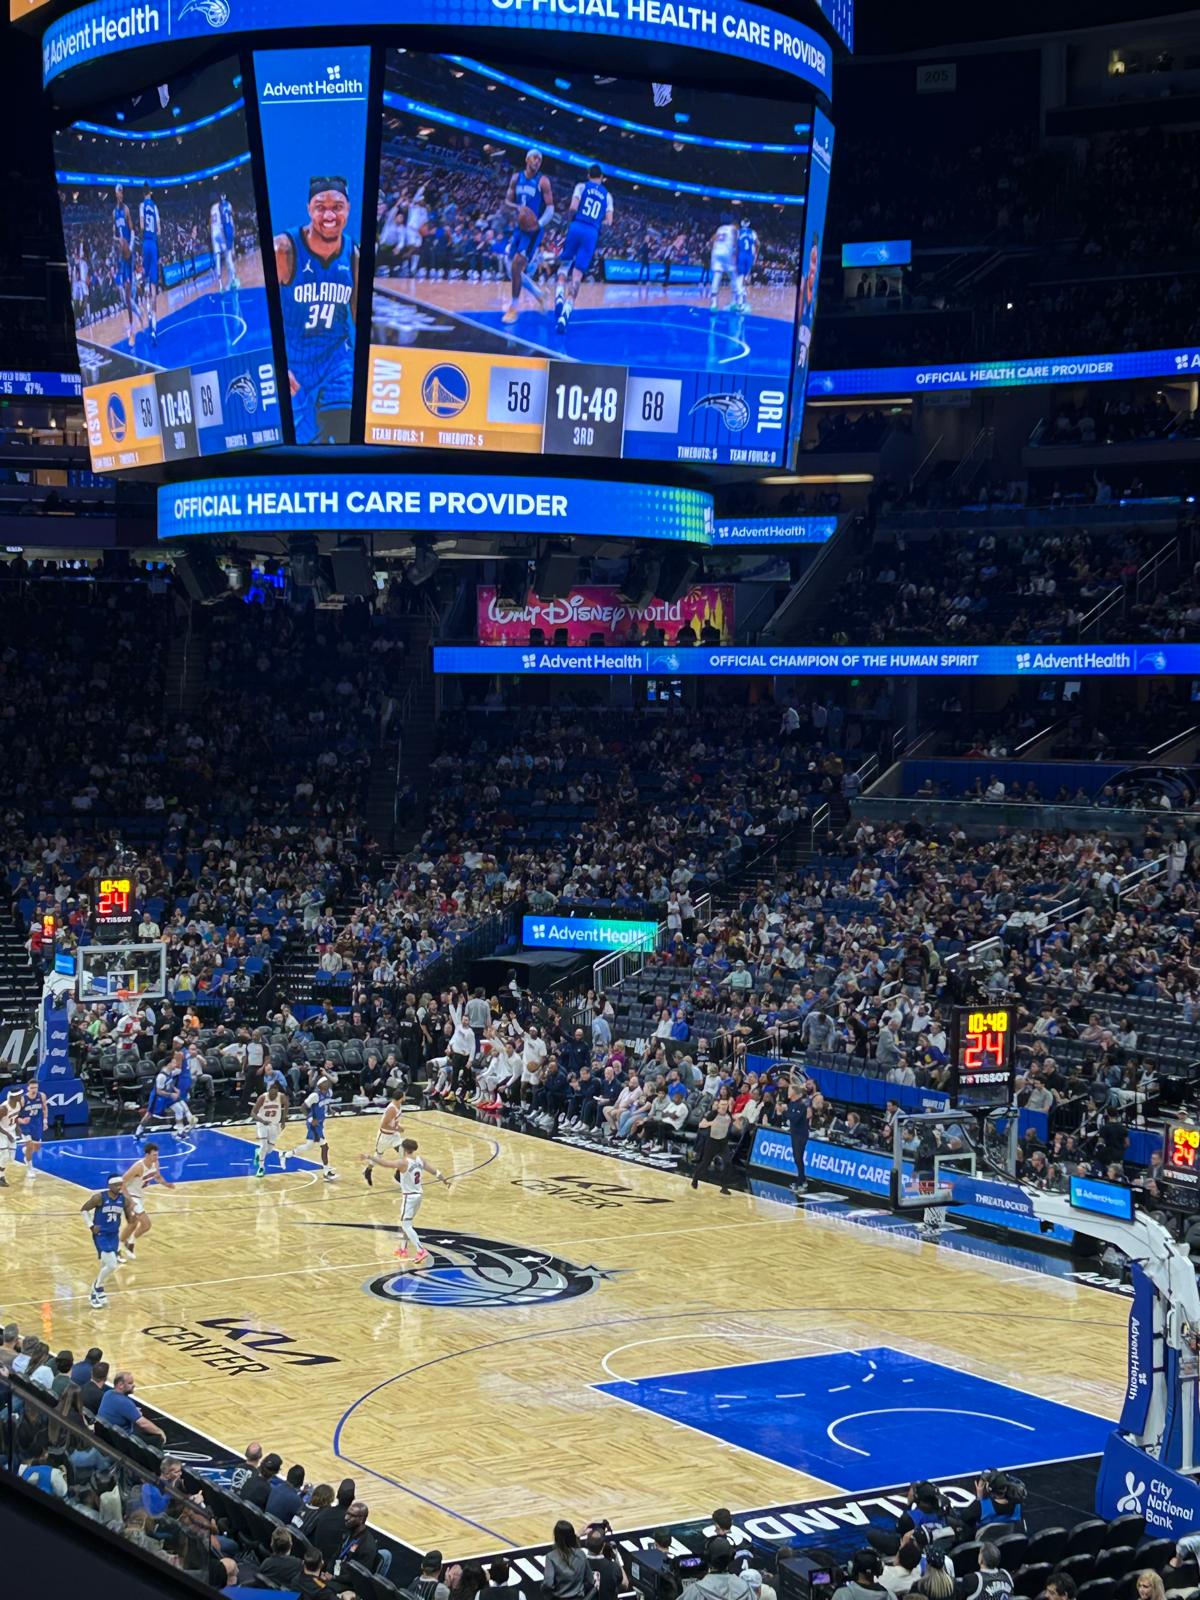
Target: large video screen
{"points": [[584, 265], [166, 273]]}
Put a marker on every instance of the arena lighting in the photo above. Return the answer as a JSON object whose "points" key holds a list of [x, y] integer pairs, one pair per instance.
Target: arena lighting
{"points": [[821, 477]]}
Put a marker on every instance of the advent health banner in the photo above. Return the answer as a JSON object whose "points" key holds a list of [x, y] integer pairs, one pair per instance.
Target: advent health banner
{"points": [[586, 933], [988, 661], [597, 608]]}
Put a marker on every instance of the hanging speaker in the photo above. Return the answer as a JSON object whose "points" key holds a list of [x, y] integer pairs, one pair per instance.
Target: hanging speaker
{"points": [[201, 577], [676, 576], [352, 575], [641, 582], [555, 574]]}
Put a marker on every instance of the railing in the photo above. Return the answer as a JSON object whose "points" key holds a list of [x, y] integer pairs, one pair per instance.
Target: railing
{"points": [[1150, 569], [1089, 624], [984, 815], [819, 819], [401, 714], [981, 448], [621, 964]]}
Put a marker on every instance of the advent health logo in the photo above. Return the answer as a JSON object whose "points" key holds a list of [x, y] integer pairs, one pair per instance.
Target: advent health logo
{"points": [[333, 85], [583, 933]]}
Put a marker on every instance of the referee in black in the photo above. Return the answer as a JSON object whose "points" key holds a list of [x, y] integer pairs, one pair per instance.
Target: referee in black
{"points": [[797, 1116]]}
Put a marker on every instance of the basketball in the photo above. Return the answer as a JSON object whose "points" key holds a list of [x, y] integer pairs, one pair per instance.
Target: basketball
{"points": [[526, 220]]}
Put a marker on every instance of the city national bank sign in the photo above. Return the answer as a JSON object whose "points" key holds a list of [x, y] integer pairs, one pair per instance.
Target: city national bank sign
{"points": [[721, 27], [432, 503]]}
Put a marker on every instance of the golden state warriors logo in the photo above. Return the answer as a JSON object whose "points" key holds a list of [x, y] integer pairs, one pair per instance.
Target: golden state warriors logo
{"points": [[465, 1270], [115, 416], [445, 390]]}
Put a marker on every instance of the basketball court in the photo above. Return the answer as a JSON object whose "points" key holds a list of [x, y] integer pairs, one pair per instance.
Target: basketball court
{"points": [[590, 1337]]}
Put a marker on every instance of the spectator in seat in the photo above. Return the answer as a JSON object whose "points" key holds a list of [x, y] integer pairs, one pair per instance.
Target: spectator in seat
{"points": [[119, 1409], [991, 1582], [251, 1462], [285, 1498], [428, 1585], [281, 1566], [719, 1583], [257, 1490], [97, 1386], [358, 1543], [324, 1523]]}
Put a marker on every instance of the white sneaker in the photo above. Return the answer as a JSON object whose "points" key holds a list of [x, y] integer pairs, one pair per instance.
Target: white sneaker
{"points": [[330, 1175], [97, 1299], [283, 1157]]}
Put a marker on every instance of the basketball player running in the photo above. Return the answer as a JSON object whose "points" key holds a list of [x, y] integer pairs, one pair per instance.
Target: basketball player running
{"points": [[747, 255], [107, 1210], [722, 259], [591, 209], [317, 1106], [123, 240], [31, 1122], [134, 1182], [222, 252], [230, 236], [318, 282], [532, 200], [411, 1169], [10, 1111], [164, 1097], [390, 1133], [148, 220], [270, 1114]]}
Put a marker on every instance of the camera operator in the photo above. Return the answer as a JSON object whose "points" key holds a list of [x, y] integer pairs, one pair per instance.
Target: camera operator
{"points": [[863, 1583], [928, 1517], [719, 1583], [999, 1497], [605, 1562], [991, 1582]]}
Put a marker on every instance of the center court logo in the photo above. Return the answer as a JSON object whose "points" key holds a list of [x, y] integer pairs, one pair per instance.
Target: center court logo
{"points": [[115, 416], [466, 1271], [445, 390]]}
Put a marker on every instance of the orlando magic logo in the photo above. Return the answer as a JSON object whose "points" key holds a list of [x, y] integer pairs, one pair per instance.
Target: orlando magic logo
{"points": [[467, 1271], [245, 388], [214, 12], [731, 408]]}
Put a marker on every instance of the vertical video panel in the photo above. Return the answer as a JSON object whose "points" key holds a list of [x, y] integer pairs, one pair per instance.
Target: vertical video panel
{"points": [[810, 269], [583, 265], [313, 112], [166, 273]]}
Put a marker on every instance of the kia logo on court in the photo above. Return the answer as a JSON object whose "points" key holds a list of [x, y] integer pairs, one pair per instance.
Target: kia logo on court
{"points": [[466, 1270], [591, 1193]]}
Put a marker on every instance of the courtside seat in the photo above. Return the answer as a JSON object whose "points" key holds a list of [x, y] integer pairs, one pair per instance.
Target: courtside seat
{"points": [[1087, 1538]]}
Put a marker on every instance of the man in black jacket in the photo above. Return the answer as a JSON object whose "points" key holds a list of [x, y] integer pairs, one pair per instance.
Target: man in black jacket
{"points": [[281, 1566], [257, 1490], [358, 1543]]}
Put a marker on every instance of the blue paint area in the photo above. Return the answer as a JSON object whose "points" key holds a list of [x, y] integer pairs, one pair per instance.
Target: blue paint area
{"points": [[859, 1419], [193, 1158], [219, 323], [677, 338]]}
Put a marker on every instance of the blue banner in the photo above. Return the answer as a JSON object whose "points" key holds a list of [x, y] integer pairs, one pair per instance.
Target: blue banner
{"points": [[987, 661], [56, 1076], [878, 253], [965, 374], [1141, 1353], [618, 270], [773, 530], [1101, 1198], [434, 503], [585, 933], [52, 384], [819, 172], [1134, 1483], [723, 27]]}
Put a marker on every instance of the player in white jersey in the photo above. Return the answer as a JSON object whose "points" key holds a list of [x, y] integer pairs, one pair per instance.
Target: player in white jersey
{"points": [[10, 1109], [390, 1132], [723, 258], [134, 1183], [410, 1169], [270, 1114], [221, 245]]}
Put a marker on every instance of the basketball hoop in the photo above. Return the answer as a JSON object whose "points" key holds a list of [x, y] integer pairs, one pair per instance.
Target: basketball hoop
{"points": [[124, 995]]}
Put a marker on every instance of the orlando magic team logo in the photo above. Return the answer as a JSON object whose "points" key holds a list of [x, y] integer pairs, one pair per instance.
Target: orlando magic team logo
{"points": [[466, 1271], [445, 390], [246, 390], [214, 12], [731, 408]]}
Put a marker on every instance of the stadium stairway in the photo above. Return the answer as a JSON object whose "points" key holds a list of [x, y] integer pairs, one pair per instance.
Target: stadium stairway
{"points": [[20, 985], [402, 760], [187, 657]]}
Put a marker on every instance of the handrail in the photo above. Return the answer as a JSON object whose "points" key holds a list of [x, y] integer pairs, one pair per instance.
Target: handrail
{"points": [[1091, 619], [920, 467]]}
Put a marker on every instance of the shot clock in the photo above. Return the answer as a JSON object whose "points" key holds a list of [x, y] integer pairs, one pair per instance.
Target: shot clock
{"points": [[113, 917], [1181, 1163], [981, 1054]]}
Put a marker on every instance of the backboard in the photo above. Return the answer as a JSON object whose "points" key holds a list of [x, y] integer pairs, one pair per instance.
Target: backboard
{"points": [[105, 969]]}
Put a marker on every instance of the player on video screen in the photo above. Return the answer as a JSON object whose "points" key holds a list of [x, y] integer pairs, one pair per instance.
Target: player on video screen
{"points": [[723, 258], [222, 246], [148, 222], [123, 240], [808, 301], [591, 208], [318, 280], [530, 197], [747, 254]]}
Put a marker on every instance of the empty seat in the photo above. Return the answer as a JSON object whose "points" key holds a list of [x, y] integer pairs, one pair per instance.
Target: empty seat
{"points": [[1098, 1589], [1048, 1544], [1087, 1538]]}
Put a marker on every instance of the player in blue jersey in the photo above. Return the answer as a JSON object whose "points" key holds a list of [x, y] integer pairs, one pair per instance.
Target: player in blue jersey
{"points": [[808, 301], [227, 227], [317, 1107], [747, 255], [591, 209], [318, 281], [107, 1211], [164, 1096], [531, 200], [123, 249], [148, 222], [31, 1121]]}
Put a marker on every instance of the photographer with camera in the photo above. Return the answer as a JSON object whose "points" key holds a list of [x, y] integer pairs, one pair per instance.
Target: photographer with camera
{"points": [[999, 1497], [929, 1517]]}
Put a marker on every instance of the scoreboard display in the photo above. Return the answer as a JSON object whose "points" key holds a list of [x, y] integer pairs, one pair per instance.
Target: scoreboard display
{"points": [[114, 913], [981, 1053], [1181, 1163], [584, 266], [160, 224]]}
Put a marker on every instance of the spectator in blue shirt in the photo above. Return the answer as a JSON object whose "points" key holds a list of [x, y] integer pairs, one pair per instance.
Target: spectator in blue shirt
{"points": [[81, 1372], [119, 1409], [286, 1496]]}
